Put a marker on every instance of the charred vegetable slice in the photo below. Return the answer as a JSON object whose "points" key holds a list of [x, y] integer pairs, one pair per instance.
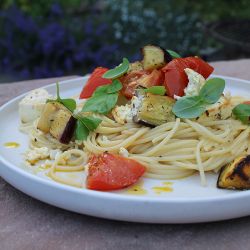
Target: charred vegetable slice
{"points": [[152, 110], [135, 66], [47, 115], [154, 57], [58, 121], [235, 175]]}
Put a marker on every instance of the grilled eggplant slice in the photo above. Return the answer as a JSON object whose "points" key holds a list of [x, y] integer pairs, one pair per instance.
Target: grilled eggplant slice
{"points": [[58, 121], [152, 110], [235, 175], [135, 66], [154, 57], [46, 117]]}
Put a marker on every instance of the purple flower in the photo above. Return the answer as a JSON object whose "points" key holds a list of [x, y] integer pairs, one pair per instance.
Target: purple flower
{"points": [[48, 46], [56, 10]]}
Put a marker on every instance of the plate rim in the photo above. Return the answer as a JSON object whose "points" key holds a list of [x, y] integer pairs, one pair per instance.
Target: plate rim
{"points": [[111, 195]]}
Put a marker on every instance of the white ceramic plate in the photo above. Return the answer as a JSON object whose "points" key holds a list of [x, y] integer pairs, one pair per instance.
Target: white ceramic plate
{"points": [[187, 203]]}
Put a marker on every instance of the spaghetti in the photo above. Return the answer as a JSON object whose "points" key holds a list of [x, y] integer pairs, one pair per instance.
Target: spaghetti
{"points": [[170, 151]]}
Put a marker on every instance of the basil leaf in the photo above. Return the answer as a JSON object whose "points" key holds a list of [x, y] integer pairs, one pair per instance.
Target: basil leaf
{"points": [[114, 87], [117, 71], [242, 112], [90, 122], [81, 132], [173, 54], [189, 107], [101, 104], [156, 90], [57, 92], [70, 104], [212, 90], [102, 90]]}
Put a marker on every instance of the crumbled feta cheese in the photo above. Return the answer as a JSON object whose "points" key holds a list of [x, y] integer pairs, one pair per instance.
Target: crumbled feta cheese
{"points": [[176, 97], [136, 103], [36, 154], [122, 114], [31, 106], [195, 82]]}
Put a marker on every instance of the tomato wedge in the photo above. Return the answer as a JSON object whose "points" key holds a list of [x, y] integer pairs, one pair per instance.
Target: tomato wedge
{"points": [[94, 81], [110, 172], [143, 78], [175, 77]]}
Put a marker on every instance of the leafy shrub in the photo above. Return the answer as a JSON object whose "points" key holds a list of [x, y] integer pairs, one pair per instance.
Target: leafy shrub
{"points": [[34, 47], [57, 37]]}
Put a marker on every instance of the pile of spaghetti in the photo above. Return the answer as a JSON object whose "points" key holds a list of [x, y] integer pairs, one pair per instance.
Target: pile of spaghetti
{"points": [[170, 151], [187, 125]]}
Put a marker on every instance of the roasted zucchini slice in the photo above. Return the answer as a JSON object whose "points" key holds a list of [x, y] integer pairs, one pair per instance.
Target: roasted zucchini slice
{"points": [[235, 175], [154, 57], [58, 121], [152, 110]]}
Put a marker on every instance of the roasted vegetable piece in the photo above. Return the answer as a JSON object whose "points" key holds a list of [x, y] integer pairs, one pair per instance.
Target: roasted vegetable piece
{"points": [[154, 57], [140, 78], [235, 175], [95, 80], [135, 66], [155, 78], [110, 172], [47, 115], [58, 121], [152, 110], [176, 79]]}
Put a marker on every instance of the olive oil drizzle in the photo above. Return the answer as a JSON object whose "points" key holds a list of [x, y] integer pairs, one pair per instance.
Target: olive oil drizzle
{"points": [[166, 188], [136, 189], [11, 145]]}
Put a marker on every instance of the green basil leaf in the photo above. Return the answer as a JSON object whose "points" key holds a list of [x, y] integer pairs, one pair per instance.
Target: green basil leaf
{"points": [[57, 92], [117, 71], [90, 122], [102, 90], [70, 104], [156, 90], [101, 104], [173, 54], [114, 87], [81, 132], [242, 112], [111, 88], [189, 107], [212, 90]]}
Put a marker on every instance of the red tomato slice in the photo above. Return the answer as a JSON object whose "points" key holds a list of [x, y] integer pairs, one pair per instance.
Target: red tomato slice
{"points": [[175, 77], [246, 102], [94, 81], [143, 78], [156, 77], [129, 82], [110, 172]]}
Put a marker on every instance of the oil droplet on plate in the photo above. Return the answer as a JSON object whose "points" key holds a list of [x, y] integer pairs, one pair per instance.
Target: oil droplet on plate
{"points": [[11, 145], [166, 188], [136, 189]]}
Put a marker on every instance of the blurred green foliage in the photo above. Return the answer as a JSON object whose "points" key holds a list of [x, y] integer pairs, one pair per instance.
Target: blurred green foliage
{"points": [[129, 24]]}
